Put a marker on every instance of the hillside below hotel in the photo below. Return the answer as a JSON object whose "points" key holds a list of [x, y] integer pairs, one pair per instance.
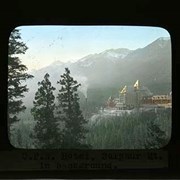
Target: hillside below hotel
{"points": [[137, 97]]}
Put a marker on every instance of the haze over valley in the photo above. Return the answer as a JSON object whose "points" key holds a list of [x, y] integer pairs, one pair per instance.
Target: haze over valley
{"points": [[110, 70]]}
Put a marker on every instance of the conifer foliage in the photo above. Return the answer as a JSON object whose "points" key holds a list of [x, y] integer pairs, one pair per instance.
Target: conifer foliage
{"points": [[156, 137], [74, 130], [46, 128], [16, 76]]}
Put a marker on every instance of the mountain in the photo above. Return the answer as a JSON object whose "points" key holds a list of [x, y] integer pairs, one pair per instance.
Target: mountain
{"points": [[152, 66], [113, 68]]}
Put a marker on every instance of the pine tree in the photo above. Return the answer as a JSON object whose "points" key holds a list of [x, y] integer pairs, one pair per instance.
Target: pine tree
{"points": [[69, 110], [46, 128], [16, 76], [156, 138], [19, 138]]}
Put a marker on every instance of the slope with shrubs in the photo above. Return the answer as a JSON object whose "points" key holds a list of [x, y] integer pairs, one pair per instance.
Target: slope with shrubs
{"points": [[134, 131]]}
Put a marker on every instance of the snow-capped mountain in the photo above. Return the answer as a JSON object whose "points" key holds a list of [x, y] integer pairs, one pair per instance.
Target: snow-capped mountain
{"points": [[110, 55], [116, 68], [120, 53]]}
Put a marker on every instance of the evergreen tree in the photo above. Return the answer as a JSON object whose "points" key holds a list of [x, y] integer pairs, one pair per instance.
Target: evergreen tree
{"points": [[16, 76], [156, 138], [69, 110], [46, 128]]}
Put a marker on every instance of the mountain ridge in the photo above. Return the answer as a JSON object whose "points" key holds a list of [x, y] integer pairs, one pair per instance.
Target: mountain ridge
{"points": [[151, 65], [58, 62]]}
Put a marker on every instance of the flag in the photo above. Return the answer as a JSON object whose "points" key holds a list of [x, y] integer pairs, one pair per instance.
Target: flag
{"points": [[136, 85], [123, 91]]}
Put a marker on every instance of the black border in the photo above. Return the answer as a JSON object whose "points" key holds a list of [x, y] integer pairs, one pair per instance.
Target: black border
{"points": [[139, 12]]}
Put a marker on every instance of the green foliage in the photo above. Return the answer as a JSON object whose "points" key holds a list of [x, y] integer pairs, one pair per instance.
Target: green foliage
{"points": [[158, 131], [130, 131], [21, 134], [16, 75], [46, 128], [158, 137], [69, 112]]}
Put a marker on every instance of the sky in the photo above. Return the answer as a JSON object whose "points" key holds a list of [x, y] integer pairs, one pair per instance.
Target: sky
{"points": [[47, 44]]}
